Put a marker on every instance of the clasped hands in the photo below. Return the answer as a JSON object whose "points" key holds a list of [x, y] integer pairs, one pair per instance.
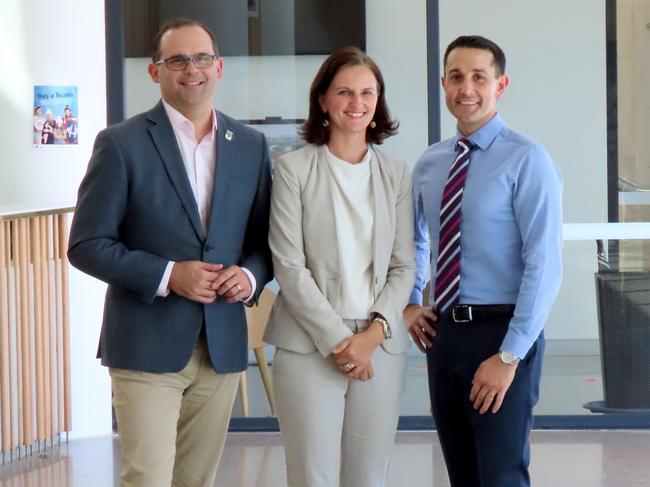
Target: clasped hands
{"points": [[203, 282], [353, 354]]}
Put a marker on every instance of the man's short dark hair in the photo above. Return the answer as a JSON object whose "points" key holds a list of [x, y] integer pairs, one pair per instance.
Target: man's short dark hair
{"points": [[479, 42], [177, 24], [313, 130]]}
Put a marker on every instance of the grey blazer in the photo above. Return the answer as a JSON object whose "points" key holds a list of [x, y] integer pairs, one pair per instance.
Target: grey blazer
{"points": [[303, 241], [136, 211]]}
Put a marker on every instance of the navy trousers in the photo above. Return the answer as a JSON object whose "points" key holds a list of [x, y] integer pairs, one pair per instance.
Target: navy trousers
{"points": [[489, 450]]}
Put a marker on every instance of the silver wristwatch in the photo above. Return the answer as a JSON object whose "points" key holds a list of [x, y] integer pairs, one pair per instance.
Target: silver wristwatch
{"points": [[508, 358]]}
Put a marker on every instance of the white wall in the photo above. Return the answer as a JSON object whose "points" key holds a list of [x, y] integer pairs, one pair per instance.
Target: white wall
{"points": [[48, 43], [57, 43], [556, 62]]}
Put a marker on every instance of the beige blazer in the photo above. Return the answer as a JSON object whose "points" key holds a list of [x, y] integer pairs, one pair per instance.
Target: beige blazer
{"points": [[303, 241]]}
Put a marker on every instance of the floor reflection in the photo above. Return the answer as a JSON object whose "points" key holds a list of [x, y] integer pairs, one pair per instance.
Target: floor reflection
{"points": [[568, 382], [560, 458]]}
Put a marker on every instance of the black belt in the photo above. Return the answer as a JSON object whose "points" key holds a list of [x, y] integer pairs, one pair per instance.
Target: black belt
{"points": [[470, 313]]}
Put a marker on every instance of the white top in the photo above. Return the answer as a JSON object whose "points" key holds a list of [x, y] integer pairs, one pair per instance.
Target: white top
{"points": [[355, 223]]}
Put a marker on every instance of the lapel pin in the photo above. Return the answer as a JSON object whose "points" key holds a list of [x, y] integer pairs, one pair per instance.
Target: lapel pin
{"points": [[228, 135]]}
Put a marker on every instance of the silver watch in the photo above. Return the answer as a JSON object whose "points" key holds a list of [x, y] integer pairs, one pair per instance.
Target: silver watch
{"points": [[508, 358]]}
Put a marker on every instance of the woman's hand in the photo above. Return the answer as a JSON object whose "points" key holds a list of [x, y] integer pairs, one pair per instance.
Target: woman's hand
{"points": [[353, 354], [362, 372]]}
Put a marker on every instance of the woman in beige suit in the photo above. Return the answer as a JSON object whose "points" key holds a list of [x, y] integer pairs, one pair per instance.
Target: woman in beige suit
{"points": [[341, 237]]}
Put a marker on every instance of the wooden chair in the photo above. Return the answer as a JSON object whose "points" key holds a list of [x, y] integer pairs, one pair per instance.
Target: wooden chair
{"points": [[257, 317]]}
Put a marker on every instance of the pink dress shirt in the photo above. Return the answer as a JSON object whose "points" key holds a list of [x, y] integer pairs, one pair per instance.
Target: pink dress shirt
{"points": [[200, 160]]}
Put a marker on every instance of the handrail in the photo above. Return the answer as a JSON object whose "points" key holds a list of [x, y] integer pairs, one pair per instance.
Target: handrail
{"points": [[13, 212], [607, 231]]}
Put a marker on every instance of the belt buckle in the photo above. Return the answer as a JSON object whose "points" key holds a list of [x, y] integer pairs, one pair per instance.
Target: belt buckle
{"points": [[464, 307]]}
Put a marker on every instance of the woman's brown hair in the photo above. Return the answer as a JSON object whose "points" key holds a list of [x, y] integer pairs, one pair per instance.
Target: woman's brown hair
{"points": [[313, 130]]}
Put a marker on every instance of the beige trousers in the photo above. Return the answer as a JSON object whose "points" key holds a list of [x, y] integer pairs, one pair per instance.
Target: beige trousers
{"points": [[337, 432], [173, 426]]}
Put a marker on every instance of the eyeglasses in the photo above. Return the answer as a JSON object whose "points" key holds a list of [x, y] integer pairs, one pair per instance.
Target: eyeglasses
{"points": [[202, 60]]}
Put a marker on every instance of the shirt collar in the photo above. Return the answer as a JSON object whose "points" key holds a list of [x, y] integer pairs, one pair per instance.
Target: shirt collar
{"points": [[484, 136], [179, 121]]}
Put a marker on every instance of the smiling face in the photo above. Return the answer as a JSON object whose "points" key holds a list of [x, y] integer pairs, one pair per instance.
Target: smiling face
{"points": [[350, 100], [190, 90], [472, 87]]}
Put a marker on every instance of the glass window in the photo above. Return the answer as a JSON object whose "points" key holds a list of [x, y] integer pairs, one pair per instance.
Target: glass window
{"points": [[271, 91], [564, 94]]}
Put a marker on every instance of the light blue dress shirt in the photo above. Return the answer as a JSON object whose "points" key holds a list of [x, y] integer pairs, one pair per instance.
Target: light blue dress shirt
{"points": [[511, 227]]}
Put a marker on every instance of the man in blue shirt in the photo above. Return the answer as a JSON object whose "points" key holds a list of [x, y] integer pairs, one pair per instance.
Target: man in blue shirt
{"points": [[493, 279]]}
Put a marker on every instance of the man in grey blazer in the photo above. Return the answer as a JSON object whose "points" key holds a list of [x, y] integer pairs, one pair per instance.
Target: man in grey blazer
{"points": [[173, 215]]}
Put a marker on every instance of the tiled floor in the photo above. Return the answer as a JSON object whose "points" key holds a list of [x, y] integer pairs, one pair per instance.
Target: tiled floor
{"points": [[560, 458]]}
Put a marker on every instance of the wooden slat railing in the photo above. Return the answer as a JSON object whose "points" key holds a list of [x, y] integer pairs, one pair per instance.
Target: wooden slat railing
{"points": [[34, 330]]}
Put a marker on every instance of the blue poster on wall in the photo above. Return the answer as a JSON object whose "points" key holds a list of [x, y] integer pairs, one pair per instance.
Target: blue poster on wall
{"points": [[55, 115]]}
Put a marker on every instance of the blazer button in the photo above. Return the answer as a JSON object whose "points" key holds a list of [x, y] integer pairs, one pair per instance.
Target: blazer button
{"points": [[208, 247]]}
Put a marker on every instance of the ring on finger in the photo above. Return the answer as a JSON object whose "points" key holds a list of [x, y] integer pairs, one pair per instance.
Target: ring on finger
{"points": [[349, 366], [238, 288]]}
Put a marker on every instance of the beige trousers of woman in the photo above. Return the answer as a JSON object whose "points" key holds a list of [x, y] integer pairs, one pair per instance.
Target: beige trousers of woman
{"points": [[337, 432]]}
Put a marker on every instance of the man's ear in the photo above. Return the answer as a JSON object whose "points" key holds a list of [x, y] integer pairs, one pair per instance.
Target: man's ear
{"points": [[502, 83], [152, 69], [219, 63]]}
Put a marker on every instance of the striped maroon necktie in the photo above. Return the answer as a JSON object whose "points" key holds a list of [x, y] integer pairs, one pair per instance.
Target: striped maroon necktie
{"points": [[448, 262]]}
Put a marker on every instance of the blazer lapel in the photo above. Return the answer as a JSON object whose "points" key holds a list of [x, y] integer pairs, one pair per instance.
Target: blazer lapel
{"points": [[382, 219], [165, 141], [226, 142], [323, 195]]}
